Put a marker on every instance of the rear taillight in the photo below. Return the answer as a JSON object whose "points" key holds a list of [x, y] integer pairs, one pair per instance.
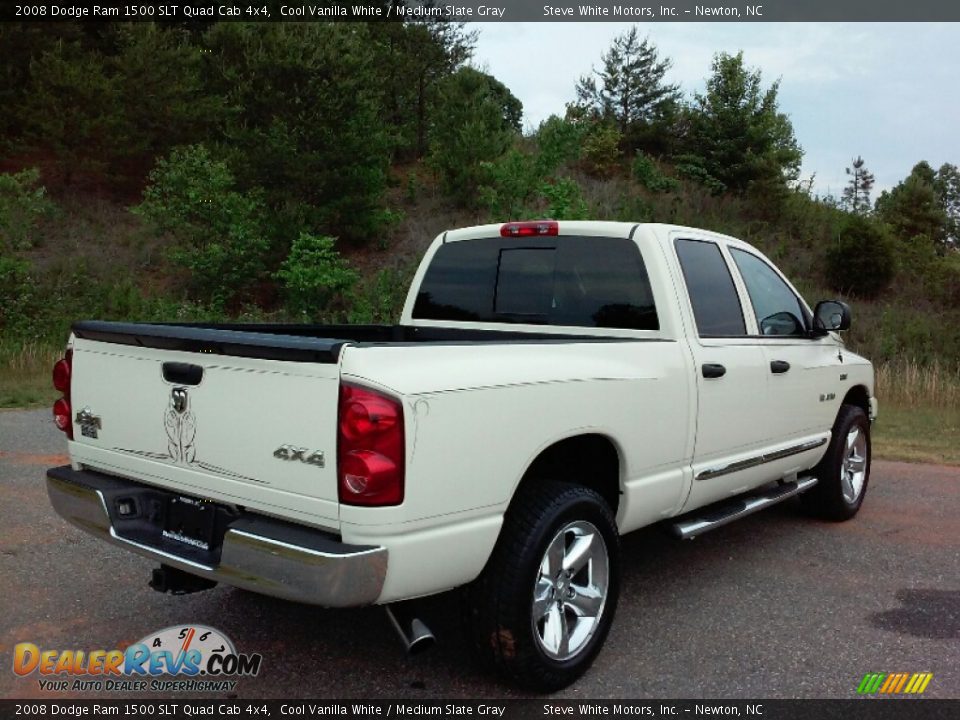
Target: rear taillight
{"points": [[530, 228], [62, 372], [370, 447]]}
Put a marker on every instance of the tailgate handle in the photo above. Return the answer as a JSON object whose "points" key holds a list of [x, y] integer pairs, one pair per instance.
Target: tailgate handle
{"points": [[182, 373]]}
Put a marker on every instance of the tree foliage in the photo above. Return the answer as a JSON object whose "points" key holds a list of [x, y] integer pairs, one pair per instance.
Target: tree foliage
{"points": [[913, 208], [856, 195], [314, 276], [862, 261], [221, 234], [23, 203], [480, 119], [947, 185], [413, 59], [736, 134], [629, 90], [304, 121]]}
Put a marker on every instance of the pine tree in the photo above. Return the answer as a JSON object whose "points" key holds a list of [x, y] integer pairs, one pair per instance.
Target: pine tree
{"points": [[736, 136], [629, 91], [856, 195]]}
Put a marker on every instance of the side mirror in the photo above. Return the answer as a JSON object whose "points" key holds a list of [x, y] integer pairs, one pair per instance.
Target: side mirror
{"points": [[831, 315]]}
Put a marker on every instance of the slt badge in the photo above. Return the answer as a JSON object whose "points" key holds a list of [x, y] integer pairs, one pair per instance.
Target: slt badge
{"points": [[291, 452]]}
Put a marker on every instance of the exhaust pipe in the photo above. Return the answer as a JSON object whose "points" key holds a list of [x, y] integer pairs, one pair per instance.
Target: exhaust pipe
{"points": [[166, 579], [414, 634]]}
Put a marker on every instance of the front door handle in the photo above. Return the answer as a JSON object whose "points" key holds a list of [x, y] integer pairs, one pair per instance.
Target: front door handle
{"points": [[713, 370], [779, 366]]}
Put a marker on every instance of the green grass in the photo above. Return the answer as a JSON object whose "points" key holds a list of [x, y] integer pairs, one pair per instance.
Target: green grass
{"points": [[917, 434], [25, 375]]}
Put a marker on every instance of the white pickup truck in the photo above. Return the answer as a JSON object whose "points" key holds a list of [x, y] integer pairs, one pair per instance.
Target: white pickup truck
{"points": [[551, 386]]}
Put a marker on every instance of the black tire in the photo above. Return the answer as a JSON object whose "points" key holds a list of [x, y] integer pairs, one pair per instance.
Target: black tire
{"points": [[500, 603], [833, 497]]}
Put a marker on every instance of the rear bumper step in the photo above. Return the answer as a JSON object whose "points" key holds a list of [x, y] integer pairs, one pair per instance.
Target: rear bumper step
{"points": [[254, 552], [708, 518]]}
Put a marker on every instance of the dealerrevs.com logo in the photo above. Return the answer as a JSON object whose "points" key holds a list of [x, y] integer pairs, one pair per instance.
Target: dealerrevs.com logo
{"points": [[894, 683], [201, 658]]}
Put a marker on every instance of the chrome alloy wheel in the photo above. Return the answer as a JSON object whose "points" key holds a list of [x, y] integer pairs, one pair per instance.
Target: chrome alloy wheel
{"points": [[853, 471], [571, 590]]}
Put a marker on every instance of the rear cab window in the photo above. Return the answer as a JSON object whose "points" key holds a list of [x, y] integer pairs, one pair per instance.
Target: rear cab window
{"points": [[562, 280]]}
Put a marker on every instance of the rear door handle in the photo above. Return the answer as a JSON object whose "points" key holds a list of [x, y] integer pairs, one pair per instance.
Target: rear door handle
{"points": [[779, 366], [713, 370]]}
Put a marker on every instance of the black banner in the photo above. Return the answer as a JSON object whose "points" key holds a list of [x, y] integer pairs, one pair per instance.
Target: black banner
{"points": [[642, 11], [862, 709]]}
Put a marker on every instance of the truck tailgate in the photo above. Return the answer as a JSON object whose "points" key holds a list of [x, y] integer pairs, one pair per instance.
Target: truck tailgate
{"points": [[248, 431]]}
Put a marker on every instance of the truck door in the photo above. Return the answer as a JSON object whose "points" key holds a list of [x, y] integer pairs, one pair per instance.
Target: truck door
{"points": [[732, 432], [804, 372]]}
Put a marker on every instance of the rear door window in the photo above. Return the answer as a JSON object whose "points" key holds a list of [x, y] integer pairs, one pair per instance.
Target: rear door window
{"points": [[716, 305], [575, 281]]}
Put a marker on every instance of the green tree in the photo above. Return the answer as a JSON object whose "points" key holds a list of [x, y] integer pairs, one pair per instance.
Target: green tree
{"points": [[314, 276], [74, 109], [736, 133], [947, 185], [304, 122], [913, 208], [629, 90], [158, 74], [856, 195], [23, 202], [480, 119], [221, 234], [412, 59], [861, 262]]}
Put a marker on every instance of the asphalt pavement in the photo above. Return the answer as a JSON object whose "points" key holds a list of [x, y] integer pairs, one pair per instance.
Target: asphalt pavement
{"points": [[776, 605]]}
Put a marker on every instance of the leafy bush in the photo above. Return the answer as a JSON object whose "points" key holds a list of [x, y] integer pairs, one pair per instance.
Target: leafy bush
{"points": [[510, 185], [19, 297], [862, 261], [601, 150], [649, 175], [692, 169], [559, 143], [477, 126], [565, 200], [221, 234], [314, 276], [23, 202], [381, 300]]}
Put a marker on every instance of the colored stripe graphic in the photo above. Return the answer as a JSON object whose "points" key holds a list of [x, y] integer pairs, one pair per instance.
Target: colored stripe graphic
{"points": [[894, 683]]}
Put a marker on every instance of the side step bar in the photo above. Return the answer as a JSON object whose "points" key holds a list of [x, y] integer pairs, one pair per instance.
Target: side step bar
{"points": [[712, 517]]}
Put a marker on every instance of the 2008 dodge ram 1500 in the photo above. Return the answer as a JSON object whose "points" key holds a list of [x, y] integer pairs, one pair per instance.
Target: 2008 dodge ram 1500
{"points": [[551, 385]]}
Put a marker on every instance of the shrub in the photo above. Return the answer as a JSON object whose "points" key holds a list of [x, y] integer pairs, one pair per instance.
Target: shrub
{"points": [[221, 234], [511, 183], [565, 200], [19, 297], [601, 150], [862, 261], [314, 276], [649, 176], [23, 202]]}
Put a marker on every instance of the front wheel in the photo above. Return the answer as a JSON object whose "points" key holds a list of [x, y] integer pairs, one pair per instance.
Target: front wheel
{"points": [[541, 609], [844, 471]]}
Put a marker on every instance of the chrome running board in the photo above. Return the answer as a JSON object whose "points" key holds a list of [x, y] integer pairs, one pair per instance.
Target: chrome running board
{"points": [[714, 516]]}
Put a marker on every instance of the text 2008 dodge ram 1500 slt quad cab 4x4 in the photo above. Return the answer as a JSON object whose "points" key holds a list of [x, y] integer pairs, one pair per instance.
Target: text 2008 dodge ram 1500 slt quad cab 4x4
{"points": [[551, 386]]}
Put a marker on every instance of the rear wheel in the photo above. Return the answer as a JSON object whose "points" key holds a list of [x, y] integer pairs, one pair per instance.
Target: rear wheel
{"points": [[541, 609], [844, 472]]}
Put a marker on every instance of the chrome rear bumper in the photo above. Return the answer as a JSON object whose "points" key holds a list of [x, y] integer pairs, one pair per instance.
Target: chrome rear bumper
{"points": [[257, 553]]}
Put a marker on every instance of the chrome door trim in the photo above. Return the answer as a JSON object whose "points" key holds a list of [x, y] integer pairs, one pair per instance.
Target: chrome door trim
{"points": [[739, 465]]}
